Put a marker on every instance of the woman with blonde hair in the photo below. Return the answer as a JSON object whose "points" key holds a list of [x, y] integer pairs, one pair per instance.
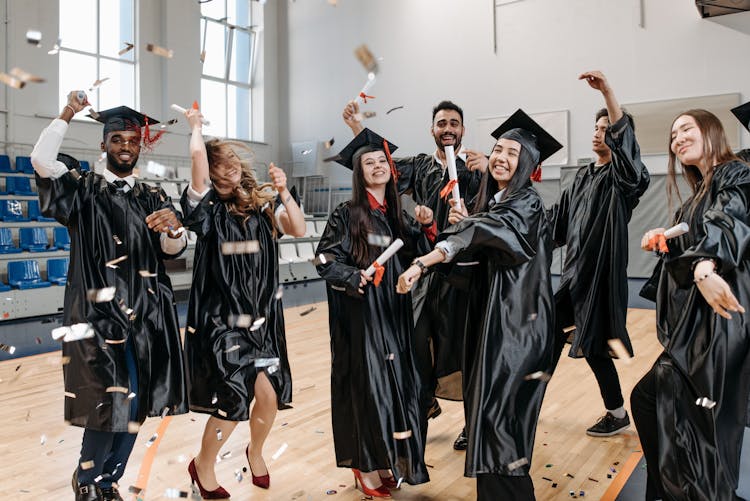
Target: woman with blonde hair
{"points": [[234, 341], [690, 407]]}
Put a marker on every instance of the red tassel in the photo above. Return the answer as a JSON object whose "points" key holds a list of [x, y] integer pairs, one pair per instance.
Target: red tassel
{"points": [[536, 176], [148, 142], [394, 172], [379, 271]]}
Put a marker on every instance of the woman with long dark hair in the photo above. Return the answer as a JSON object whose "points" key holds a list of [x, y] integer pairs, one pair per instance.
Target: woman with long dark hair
{"points": [[509, 327], [234, 339], [375, 386], [690, 408]]}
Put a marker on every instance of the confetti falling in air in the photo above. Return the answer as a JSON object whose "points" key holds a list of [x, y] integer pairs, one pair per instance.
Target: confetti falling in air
{"points": [[25, 76], [331, 492], [402, 435], [133, 427], [191, 330], [173, 493], [161, 170], [146, 274], [115, 341], [619, 350], [378, 240], [306, 152], [540, 375], [394, 109], [87, 465], [257, 323], [329, 143], [364, 115], [266, 362], [101, 295], [55, 48], [75, 332], [118, 241], [7, 348], [97, 83], [279, 292], [307, 311], [233, 348], [705, 402], [34, 37], [246, 247], [366, 58], [117, 389], [238, 475], [43, 440], [214, 399], [113, 263], [218, 434], [152, 440], [517, 464], [242, 320], [160, 51], [128, 47], [278, 453], [11, 81]]}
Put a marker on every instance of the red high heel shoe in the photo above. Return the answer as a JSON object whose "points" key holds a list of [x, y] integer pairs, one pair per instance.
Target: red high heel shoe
{"points": [[379, 492], [263, 481], [390, 482], [219, 493]]}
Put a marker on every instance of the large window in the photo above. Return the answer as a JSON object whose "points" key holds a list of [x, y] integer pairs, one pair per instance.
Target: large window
{"points": [[92, 33], [229, 47]]}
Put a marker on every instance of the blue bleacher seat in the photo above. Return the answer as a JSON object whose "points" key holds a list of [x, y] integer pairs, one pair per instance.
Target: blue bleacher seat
{"points": [[57, 270], [23, 164], [4, 287], [85, 167], [62, 238], [34, 239], [5, 163], [17, 185], [35, 213], [10, 210], [25, 275], [6, 242]]}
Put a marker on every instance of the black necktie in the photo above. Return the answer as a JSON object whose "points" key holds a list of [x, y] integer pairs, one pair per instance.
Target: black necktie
{"points": [[120, 184]]}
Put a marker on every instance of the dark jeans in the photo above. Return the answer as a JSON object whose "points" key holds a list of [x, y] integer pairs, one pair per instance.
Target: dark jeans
{"points": [[601, 365], [492, 487], [643, 407], [109, 451]]}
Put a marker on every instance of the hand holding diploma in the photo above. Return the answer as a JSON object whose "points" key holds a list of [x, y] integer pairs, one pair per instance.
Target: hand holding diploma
{"points": [[656, 239], [180, 109], [452, 186], [377, 268]]}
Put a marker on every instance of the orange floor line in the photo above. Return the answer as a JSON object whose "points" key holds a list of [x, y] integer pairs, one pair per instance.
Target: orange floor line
{"points": [[622, 477], [148, 461]]}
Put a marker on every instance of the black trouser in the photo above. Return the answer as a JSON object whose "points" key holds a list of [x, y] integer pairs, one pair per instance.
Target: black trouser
{"points": [[493, 487], [643, 407], [601, 365]]}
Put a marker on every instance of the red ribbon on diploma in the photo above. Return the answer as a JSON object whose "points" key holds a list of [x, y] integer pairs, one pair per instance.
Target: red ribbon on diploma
{"points": [[448, 188], [394, 172], [659, 242], [379, 271], [365, 97]]}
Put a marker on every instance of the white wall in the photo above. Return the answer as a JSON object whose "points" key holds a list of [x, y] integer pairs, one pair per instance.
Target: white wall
{"points": [[169, 23], [436, 49]]}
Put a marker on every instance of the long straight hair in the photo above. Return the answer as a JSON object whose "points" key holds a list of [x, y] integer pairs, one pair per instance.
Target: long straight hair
{"points": [[359, 223], [716, 152], [521, 179], [248, 196]]}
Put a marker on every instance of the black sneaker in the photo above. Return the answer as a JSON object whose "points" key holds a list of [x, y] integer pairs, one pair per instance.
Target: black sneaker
{"points": [[87, 492], [609, 425], [434, 410], [111, 494], [461, 442]]}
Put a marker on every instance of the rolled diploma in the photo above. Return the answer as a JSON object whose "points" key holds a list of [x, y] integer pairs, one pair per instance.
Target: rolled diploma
{"points": [[180, 109], [450, 156], [385, 256], [368, 85], [676, 231]]}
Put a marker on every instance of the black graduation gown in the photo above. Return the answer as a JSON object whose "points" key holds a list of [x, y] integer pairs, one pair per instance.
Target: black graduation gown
{"points": [[509, 333], [744, 155], [96, 214], [221, 356], [423, 177], [592, 218], [373, 394], [705, 355]]}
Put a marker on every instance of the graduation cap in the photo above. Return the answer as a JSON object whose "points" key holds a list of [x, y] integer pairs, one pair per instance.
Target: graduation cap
{"points": [[370, 140], [532, 135], [742, 112], [125, 118]]}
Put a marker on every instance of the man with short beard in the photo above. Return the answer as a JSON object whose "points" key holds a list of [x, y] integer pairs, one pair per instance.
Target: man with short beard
{"points": [[591, 219], [122, 342], [439, 308]]}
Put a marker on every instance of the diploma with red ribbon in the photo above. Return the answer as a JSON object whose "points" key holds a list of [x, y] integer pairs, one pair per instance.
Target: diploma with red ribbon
{"points": [[363, 96], [659, 242], [377, 268], [452, 186]]}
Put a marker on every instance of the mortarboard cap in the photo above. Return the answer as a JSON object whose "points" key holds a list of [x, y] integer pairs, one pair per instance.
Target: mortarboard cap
{"points": [[742, 112], [531, 133], [122, 118], [366, 138]]}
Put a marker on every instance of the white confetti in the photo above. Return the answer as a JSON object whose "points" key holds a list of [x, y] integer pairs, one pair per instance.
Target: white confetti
{"points": [[246, 247], [705, 402], [278, 453], [517, 464], [101, 295], [113, 263]]}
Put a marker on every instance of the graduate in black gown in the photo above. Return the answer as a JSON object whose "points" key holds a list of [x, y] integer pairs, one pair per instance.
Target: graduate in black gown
{"points": [[438, 331], [509, 333], [235, 342], [742, 113], [129, 364], [591, 219], [690, 408], [375, 384]]}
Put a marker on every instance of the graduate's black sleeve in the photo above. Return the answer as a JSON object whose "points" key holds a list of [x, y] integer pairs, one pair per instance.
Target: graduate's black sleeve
{"points": [[509, 231], [60, 197], [558, 216], [335, 249], [629, 171], [726, 225], [744, 155], [198, 218], [406, 168]]}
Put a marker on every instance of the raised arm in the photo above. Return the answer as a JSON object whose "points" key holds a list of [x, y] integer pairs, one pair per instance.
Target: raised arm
{"points": [[289, 217], [200, 181]]}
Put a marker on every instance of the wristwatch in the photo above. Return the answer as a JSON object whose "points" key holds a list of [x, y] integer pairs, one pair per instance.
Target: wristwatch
{"points": [[421, 265]]}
